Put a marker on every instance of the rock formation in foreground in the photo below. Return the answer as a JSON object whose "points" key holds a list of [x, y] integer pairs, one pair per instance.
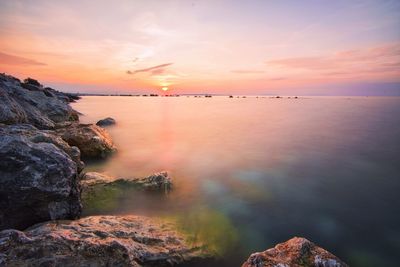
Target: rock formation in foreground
{"points": [[39, 170], [296, 252], [99, 241], [38, 177]]}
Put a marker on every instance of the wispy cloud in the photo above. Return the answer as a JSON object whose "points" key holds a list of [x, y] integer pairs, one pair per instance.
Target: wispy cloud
{"points": [[383, 58], [154, 70], [247, 71], [7, 59]]}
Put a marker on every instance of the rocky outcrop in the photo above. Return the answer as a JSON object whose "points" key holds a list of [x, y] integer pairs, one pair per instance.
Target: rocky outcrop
{"points": [[28, 102], [296, 252], [38, 177], [43, 136], [93, 141], [159, 181], [105, 122], [100, 241]]}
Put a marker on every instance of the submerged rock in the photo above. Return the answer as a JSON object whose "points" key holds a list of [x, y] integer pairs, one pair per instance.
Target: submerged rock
{"points": [[28, 102], [105, 122], [38, 177], [93, 141], [296, 252], [159, 181], [102, 193], [100, 241]]}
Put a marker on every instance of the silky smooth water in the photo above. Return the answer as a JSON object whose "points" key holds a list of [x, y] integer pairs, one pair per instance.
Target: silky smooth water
{"points": [[252, 172]]}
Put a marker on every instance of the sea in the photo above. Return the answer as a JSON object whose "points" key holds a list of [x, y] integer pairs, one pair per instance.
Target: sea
{"points": [[251, 172]]}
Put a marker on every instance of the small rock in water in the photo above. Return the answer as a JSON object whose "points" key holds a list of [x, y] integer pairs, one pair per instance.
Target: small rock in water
{"points": [[157, 182], [106, 122]]}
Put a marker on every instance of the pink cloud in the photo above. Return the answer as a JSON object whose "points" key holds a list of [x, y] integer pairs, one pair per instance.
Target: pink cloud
{"points": [[154, 70], [7, 59], [379, 59]]}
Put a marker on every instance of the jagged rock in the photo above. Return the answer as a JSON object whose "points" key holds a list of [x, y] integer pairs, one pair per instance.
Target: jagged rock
{"points": [[106, 122], [66, 97], [160, 181], [296, 252], [31, 104], [93, 141], [100, 241], [38, 177], [43, 136]]}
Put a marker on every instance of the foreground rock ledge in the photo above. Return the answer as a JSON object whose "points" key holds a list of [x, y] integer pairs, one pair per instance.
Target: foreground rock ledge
{"points": [[296, 252], [99, 241]]}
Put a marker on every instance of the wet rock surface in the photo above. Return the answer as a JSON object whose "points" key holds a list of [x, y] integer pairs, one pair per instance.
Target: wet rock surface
{"points": [[38, 177], [296, 252], [100, 241], [105, 122], [93, 141]]}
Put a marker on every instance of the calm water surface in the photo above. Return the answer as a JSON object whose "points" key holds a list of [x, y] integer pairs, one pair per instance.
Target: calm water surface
{"points": [[253, 172]]}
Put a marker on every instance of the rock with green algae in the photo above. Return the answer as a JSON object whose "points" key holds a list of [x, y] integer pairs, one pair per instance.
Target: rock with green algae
{"points": [[101, 241], [160, 181]]}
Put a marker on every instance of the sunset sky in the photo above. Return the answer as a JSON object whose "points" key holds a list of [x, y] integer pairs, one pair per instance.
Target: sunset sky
{"points": [[220, 47]]}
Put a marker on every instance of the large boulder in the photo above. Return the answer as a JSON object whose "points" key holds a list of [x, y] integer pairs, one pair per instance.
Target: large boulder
{"points": [[38, 177], [296, 252], [29, 103], [44, 136], [93, 141], [100, 241], [105, 122]]}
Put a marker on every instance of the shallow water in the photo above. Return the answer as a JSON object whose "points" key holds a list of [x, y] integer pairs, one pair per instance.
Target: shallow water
{"points": [[253, 172]]}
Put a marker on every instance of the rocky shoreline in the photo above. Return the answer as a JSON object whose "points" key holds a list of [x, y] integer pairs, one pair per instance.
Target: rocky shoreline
{"points": [[42, 184]]}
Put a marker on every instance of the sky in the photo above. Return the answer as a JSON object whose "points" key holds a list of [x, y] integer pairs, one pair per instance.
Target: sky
{"points": [[308, 47]]}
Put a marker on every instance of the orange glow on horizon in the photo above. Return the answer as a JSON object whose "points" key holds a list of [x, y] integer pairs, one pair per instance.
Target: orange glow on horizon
{"points": [[154, 50]]}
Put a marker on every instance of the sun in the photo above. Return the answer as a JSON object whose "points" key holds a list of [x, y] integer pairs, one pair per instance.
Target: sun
{"points": [[164, 88]]}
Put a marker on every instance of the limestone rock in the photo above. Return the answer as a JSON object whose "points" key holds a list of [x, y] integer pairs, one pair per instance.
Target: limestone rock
{"points": [[30, 103], [296, 252], [43, 136], [100, 241], [38, 178], [93, 141], [159, 181]]}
